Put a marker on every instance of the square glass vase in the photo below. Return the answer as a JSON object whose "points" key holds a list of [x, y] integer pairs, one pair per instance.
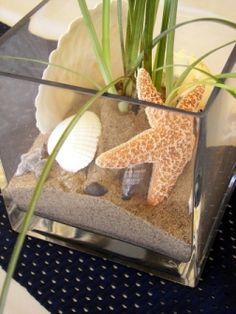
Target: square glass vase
{"points": [[105, 211]]}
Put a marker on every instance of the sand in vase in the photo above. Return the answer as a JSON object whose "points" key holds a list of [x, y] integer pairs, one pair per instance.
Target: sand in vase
{"points": [[165, 228]]}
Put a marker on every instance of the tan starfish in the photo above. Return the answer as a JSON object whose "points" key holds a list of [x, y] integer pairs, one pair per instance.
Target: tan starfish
{"points": [[168, 144]]}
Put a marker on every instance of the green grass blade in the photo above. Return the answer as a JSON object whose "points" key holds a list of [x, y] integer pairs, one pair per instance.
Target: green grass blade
{"points": [[150, 18], [96, 45], [138, 19], [37, 192], [121, 33], [191, 66], [106, 32], [129, 32], [171, 99], [161, 49], [215, 77], [157, 39], [87, 78], [170, 47]]}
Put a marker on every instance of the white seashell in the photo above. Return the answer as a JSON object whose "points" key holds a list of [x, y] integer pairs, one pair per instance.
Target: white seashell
{"points": [[80, 146], [75, 52]]}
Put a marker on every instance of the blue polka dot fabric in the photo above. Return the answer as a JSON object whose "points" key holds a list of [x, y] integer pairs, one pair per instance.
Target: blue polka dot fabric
{"points": [[68, 281]]}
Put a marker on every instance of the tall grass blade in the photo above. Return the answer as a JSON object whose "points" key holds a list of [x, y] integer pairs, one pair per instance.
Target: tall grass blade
{"points": [[121, 33], [106, 33], [161, 49], [37, 192], [157, 39], [150, 19], [191, 66], [170, 47], [96, 45], [87, 78]]}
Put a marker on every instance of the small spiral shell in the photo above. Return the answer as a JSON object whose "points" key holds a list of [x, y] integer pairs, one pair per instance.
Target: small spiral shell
{"points": [[135, 180]]}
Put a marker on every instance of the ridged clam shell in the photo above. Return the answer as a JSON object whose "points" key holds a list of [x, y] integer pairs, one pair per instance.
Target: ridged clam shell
{"points": [[75, 52], [80, 146]]}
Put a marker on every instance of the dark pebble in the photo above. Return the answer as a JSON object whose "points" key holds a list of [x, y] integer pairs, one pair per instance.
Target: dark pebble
{"points": [[95, 189]]}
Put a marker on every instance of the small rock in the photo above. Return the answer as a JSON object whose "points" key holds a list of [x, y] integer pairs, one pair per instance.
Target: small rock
{"points": [[95, 189]]}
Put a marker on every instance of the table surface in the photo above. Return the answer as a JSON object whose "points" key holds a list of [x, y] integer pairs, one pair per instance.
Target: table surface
{"points": [[68, 281]]}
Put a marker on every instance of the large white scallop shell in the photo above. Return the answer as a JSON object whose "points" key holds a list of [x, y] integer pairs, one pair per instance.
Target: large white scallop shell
{"points": [[75, 51], [80, 146]]}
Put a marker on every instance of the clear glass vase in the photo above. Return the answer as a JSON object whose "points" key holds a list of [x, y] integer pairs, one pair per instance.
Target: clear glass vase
{"points": [[105, 211]]}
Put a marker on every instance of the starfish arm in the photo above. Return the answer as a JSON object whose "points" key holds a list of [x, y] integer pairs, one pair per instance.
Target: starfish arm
{"points": [[191, 101], [165, 173], [143, 148], [146, 91]]}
